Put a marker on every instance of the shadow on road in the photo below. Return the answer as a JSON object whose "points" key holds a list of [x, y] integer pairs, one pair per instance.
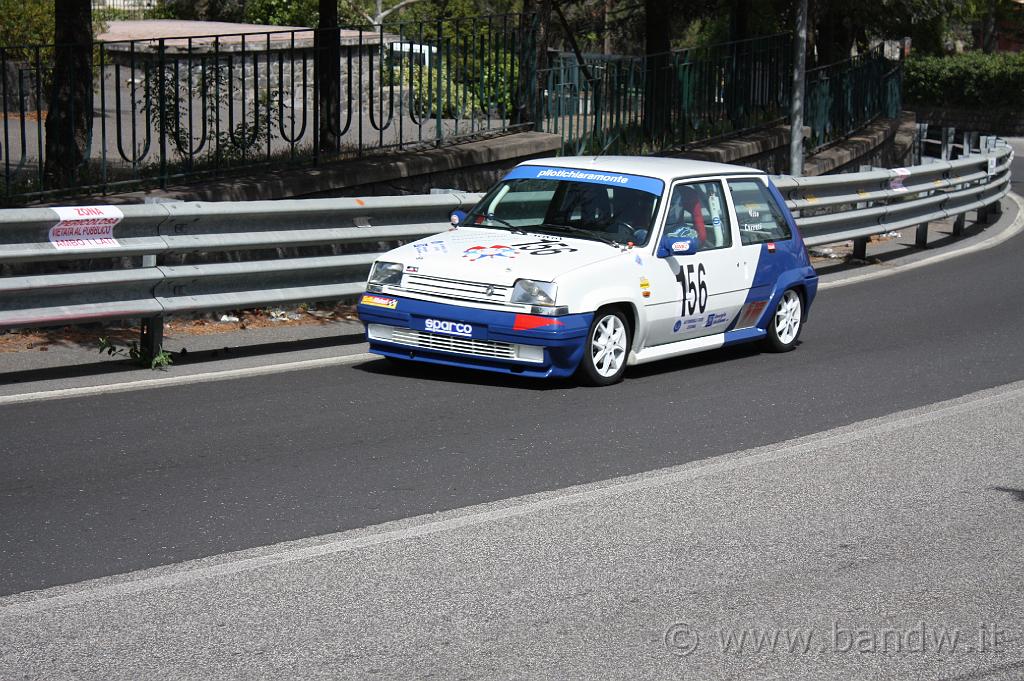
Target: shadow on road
{"points": [[180, 359], [1018, 494], [446, 374]]}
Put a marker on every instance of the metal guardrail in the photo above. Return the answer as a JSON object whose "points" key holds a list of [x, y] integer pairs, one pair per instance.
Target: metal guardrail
{"points": [[857, 206], [278, 247], [320, 249]]}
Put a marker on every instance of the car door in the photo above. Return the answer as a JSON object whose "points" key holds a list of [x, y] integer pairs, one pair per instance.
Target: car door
{"points": [[696, 293], [762, 227]]}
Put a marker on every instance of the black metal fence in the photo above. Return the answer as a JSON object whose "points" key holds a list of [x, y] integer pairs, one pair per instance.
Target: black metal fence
{"points": [[176, 109], [658, 102], [845, 96], [111, 10]]}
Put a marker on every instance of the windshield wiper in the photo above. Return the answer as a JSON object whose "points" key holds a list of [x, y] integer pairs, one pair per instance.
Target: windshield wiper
{"points": [[501, 223], [585, 233]]}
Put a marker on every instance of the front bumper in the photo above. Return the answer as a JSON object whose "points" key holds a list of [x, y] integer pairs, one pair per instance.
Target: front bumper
{"points": [[454, 335]]}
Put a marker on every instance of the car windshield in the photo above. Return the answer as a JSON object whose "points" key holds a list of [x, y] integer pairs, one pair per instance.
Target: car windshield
{"points": [[612, 212]]}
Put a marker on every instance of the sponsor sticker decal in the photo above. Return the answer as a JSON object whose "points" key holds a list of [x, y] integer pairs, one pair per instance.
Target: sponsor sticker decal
{"points": [[896, 183], [379, 301], [640, 182], [713, 319], [681, 246], [645, 287], [447, 327], [412, 268], [475, 253], [85, 227]]}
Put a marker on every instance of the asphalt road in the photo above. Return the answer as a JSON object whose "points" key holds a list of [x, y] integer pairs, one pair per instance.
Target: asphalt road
{"points": [[882, 550], [113, 483]]}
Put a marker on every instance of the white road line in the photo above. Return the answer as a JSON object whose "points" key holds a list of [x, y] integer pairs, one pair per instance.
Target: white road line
{"points": [[185, 380], [27, 603], [954, 252]]}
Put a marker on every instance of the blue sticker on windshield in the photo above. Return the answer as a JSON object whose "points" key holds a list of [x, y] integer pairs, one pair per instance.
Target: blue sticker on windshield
{"points": [[644, 184]]}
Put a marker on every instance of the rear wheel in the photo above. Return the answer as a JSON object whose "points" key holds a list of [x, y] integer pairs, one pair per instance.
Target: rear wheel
{"points": [[608, 341], [784, 327]]}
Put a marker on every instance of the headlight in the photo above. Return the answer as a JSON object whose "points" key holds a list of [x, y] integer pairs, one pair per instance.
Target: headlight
{"points": [[529, 292], [386, 273]]}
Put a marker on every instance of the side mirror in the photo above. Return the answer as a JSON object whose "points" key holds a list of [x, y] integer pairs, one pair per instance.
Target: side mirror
{"points": [[457, 217], [677, 245]]}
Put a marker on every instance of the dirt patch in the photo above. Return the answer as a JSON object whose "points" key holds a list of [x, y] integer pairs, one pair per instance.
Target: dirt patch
{"points": [[89, 336]]}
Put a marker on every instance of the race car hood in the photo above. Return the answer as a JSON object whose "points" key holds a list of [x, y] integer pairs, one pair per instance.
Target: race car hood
{"points": [[495, 256]]}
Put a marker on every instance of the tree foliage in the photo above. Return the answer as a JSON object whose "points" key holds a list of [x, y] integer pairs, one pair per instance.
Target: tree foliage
{"points": [[966, 79], [26, 22], [282, 12]]}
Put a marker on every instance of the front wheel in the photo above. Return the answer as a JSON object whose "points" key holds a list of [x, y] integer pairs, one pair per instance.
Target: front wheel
{"points": [[784, 327], [608, 341]]}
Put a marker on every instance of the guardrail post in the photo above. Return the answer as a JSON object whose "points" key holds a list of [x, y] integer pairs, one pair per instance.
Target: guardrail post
{"points": [[922, 235], [958, 224], [860, 248], [947, 143], [151, 340], [919, 138], [997, 210]]}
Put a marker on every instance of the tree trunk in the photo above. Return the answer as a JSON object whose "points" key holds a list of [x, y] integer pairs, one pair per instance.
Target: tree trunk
{"points": [[988, 29], [658, 77], [741, 55], [533, 62], [608, 7], [740, 24], [327, 75], [69, 110]]}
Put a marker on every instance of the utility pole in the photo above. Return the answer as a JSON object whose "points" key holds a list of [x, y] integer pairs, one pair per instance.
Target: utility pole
{"points": [[796, 106]]}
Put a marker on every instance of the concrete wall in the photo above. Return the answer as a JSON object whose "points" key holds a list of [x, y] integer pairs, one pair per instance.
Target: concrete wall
{"points": [[475, 166], [989, 121], [887, 142], [470, 166]]}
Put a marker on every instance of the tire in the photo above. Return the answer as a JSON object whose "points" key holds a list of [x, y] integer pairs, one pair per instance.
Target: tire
{"points": [[786, 323], [607, 347]]}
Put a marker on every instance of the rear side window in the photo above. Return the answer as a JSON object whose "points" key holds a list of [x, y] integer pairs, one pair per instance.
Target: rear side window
{"points": [[759, 216]]}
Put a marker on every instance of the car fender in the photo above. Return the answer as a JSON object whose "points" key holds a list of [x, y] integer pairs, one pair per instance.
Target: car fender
{"points": [[801, 277]]}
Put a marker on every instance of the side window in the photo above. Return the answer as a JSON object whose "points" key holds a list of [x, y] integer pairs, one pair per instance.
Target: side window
{"points": [[699, 209], [759, 216]]}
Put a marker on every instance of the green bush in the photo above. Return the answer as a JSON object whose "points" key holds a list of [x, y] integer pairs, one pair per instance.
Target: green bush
{"points": [[25, 22], [283, 12], [972, 80]]}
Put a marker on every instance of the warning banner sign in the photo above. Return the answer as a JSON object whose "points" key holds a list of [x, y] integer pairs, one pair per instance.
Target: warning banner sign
{"points": [[85, 227]]}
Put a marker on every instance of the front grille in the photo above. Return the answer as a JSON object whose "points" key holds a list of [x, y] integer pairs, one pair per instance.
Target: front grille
{"points": [[459, 290], [464, 346]]}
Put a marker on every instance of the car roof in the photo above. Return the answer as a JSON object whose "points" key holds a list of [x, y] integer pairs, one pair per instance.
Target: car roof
{"points": [[662, 168]]}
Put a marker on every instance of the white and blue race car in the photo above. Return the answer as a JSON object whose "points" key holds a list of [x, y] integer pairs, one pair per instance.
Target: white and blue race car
{"points": [[588, 265]]}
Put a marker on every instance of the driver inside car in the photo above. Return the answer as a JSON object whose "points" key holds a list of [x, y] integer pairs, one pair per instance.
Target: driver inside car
{"points": [[686, 214]]}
